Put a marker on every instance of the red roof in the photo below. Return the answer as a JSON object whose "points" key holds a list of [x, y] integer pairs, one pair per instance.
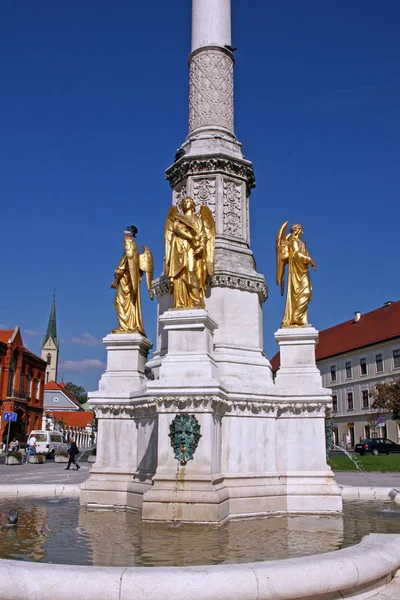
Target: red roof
{"points": [[60, 387], [377, 326], [5, 335], [74, 419]]}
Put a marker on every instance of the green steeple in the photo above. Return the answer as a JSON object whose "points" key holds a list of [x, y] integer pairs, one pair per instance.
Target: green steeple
{"points": [[52, 325]]}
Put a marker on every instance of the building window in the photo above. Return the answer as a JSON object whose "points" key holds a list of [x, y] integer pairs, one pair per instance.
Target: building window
{"points": [[348, 370], [365, 398], [47, 377], [367, 432], [334, 403], [333, 373], [379, 363], [48, 358], [396, 359], [350, 403], [363, 366]]}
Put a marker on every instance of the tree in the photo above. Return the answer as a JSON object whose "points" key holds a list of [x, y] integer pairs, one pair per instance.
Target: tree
{"points": [[78, 391], [387, 397], [373, 421]]}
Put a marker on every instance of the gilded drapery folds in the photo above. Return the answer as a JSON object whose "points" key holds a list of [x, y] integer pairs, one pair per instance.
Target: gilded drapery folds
{"points": [[189, 253], [292, 251], [128, 276]]}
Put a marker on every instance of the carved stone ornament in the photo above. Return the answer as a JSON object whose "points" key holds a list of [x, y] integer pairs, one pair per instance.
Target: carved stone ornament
{"points": [[187, 166], [211, 89], [204, 193], [302, 409], [179, 194], [247, 284], [244, 283], [161, 286], [184, 433], [125, 411], [232, 208], [186, 404]]}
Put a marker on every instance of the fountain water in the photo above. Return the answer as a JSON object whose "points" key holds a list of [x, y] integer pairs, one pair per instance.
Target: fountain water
{"points": [[352, 457]]}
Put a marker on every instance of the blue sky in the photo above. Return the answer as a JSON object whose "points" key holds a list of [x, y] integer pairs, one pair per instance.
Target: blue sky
{"points": [[93, 106]]}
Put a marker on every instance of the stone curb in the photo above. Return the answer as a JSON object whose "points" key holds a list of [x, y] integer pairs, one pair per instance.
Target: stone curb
{"points": [[39, 490], [358, 572], [365, 493]]}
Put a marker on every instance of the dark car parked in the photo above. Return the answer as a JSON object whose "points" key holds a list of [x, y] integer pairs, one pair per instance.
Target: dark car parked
{"points": [[376, 446]]}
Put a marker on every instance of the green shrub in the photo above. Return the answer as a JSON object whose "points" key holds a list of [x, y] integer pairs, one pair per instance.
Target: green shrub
{"points": [[17, 454], [40, 458], [62, 453]]}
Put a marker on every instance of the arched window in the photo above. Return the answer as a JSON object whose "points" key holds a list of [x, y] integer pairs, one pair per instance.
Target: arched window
{"points": [[48, 358], [47, 377], [13, 367], [30, 378]]}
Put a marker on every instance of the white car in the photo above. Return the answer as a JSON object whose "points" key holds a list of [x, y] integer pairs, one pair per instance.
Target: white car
{"points": [[49, 442]]}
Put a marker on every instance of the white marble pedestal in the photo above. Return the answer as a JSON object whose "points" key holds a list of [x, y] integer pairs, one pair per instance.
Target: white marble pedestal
{"points": [[188, 383], [300, 426], [126, 359], [126, 438]]}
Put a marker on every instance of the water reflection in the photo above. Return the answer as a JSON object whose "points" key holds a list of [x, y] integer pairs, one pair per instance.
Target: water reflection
{"points": [[61, 532]]}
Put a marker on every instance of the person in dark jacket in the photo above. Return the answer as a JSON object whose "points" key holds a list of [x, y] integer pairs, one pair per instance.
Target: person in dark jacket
{"points": [[72, 451]]}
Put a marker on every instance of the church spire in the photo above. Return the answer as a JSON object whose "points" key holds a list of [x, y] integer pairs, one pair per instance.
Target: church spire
{"points": [[51, 332]]}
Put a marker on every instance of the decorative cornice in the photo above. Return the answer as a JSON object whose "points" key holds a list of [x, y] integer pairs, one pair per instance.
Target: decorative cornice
{"points": [[256, 285], [206, 404], [301, 409], [160, 286], [186, 166], [172, 404], [241, 282], [124, 411], [248, 408]]}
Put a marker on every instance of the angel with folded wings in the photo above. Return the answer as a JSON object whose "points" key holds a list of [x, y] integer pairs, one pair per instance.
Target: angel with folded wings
{"points": [[189, 253], [292, 251], [128, 276]]}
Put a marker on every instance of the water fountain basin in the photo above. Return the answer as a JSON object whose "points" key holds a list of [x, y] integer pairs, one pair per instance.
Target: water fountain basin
{"points": [[358, 572]]}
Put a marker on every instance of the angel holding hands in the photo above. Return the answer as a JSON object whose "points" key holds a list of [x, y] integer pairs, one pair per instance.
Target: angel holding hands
{"points": [[189, 253], [128, 276], [292, 251]]}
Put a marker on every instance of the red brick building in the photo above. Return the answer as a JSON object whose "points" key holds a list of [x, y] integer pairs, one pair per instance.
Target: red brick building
{"points": [[22, 376]]}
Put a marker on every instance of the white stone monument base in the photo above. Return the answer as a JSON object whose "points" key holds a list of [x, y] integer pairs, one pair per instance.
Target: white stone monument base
{"points": [[190, 346], [258, 495], [107, 489], [199, 499], [298, 368], [126, 359]]}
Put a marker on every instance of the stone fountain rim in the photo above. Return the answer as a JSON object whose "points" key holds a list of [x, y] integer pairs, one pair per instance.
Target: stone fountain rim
{"points": [[351, 572]]}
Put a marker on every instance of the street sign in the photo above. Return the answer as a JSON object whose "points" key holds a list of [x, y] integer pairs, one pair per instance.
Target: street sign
{"points": [[10, 416], [381, 420]]}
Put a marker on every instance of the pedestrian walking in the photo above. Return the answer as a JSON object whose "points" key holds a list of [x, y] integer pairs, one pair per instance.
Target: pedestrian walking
{"points": [[31, 448], [72, 451]]}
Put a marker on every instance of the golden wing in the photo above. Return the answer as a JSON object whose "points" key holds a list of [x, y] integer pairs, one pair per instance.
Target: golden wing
{"points": [[168, 234], [146, 265], [209, 226], [281, 256]]}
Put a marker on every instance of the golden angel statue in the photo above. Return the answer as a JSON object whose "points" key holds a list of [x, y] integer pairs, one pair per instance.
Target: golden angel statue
{"points": [[291, 250], [189, 253], [128, 276]]}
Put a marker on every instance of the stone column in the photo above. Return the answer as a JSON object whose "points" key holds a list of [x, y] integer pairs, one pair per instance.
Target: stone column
{"points": [[210, 167], [211, 23]]}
